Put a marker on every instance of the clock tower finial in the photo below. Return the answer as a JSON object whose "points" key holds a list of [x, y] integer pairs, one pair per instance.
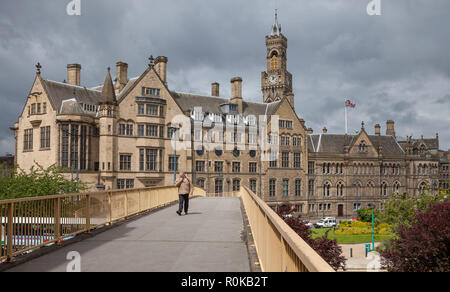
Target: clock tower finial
{"points": [[276, 82], [276, 28]]}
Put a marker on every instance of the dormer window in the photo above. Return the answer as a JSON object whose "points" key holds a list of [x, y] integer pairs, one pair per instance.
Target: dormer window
{"points": [[228, 108]]}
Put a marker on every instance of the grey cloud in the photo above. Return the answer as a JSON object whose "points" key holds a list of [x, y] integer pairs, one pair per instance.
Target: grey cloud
{"points": [[395, 66]]}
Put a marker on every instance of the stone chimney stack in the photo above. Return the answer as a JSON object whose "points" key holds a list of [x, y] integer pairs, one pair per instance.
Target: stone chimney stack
{"points": [[161, 67], [325, 130], [121, 76], [236, 93], [377, 130], [74, 74], [215, 89], [390, 128]]}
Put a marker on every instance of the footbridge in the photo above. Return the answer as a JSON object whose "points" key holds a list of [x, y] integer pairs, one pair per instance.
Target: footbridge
{"points": [[138, 230]]}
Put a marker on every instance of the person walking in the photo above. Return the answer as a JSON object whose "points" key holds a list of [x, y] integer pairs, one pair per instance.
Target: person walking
{"points": [[185, 189]]}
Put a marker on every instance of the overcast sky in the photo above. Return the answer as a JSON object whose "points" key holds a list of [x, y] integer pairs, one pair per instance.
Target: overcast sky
{"points": [[394, 66]]}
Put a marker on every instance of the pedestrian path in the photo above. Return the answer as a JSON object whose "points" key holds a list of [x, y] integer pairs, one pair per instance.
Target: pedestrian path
{"points": [[206, 240]]}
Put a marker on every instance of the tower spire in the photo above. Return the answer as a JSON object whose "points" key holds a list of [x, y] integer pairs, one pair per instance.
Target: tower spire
{"points": [[108, 93], [276, 28]]}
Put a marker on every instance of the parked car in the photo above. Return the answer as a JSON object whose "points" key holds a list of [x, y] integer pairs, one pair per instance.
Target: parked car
{"points": [[309, 224], [328, 222]]}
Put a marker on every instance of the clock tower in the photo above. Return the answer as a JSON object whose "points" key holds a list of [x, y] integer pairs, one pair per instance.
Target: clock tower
{"points": [[276, 82]]}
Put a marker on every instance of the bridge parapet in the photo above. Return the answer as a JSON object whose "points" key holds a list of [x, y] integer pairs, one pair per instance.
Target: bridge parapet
{"points": [[30, 223]]}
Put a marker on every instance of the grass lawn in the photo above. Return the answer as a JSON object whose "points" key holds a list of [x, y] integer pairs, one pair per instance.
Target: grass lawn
{"points": [[363, 238]]}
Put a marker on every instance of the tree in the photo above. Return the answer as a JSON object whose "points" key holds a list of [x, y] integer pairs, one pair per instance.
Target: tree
{"points": [[366, 214], [37, 182], [423, 246], [401, 208], [328, 249]]}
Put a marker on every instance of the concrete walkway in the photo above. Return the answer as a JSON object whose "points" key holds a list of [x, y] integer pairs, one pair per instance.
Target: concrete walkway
{"points": [[359, 261], [207, 240]]}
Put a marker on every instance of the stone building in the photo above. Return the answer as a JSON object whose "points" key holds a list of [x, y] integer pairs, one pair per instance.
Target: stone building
{"points": [[119, 135], [444, 172], [363, 170]]}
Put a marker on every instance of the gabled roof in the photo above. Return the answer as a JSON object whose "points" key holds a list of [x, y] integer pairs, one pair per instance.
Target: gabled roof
{"points": [[431, 144], [332, 143]]}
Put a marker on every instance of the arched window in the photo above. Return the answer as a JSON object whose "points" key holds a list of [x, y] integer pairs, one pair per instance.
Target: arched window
{"points": [[326, 189], [370, 188], [274, 62], [396, 187], [340, 189], [383, 189], [363, 147]]}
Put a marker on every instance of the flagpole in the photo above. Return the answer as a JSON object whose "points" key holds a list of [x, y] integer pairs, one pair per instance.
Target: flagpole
{"points": [[346, 125]]}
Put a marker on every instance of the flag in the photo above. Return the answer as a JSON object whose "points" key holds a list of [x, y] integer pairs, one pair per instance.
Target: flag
{"points": [[350, 103]]}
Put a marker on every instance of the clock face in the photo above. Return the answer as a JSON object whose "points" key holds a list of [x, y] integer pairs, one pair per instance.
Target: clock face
{"points": [[273, 79]]}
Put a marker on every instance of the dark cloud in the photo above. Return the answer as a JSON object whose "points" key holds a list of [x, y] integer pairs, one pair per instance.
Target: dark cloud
{"points": [[394, 66]]}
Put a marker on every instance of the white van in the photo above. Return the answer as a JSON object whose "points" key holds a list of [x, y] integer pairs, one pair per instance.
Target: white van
{"points": [[328, 222]]}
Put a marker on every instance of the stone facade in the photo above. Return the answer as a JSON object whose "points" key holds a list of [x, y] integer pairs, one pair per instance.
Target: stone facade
{"points": [[119, 135]]}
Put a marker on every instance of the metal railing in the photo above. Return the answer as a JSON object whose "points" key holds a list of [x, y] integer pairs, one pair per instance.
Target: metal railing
{"points": [[279, 248], [30, 223]]}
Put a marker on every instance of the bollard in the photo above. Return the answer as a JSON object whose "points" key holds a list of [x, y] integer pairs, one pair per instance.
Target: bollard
{"points": [[351, 252], [367, 248]]}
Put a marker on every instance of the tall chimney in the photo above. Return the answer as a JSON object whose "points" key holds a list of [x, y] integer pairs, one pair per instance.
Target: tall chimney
{"points": [[161, 67], [236, 92], [73, 74], [377, 129], [390, 128], [215, 89], [121, 76]]}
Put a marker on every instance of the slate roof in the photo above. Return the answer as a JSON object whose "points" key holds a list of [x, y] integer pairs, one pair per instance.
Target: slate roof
{"points": [[331, 143], [59, 92], [211, 104]]}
